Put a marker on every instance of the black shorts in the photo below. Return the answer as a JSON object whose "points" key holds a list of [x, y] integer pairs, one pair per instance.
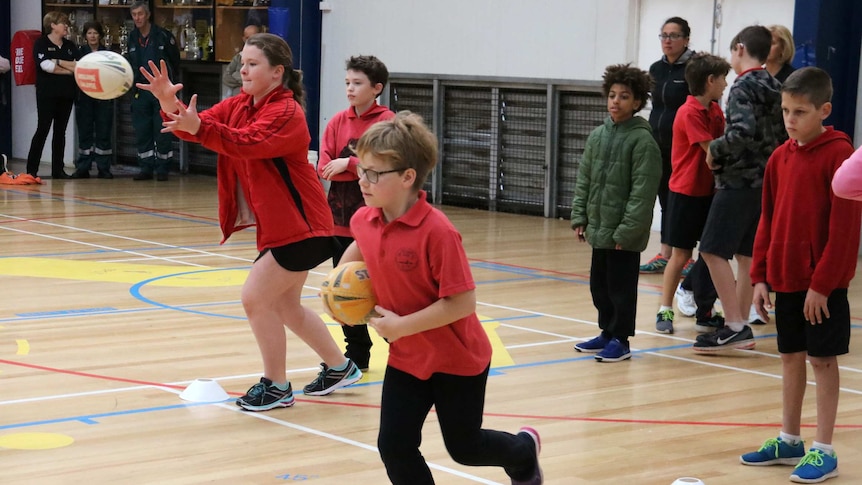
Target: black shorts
{"points": [[795, 334], [302, 255], [731, 223], [686, 217]]}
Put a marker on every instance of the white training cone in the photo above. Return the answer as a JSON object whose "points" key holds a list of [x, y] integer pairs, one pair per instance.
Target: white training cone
{"points": [[687, 481], [204, 390]]}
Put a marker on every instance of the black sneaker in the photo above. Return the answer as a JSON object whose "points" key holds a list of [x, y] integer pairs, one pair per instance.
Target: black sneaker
{"points": [[264, 396], [725, 338], [711, 324], [329, 380], [143, 176]]}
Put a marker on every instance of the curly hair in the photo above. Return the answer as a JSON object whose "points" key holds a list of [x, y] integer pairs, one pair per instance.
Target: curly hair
{"points": [[638, 80]]}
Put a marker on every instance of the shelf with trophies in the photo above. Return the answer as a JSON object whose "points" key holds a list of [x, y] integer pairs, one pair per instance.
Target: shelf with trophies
{"points": [[208, 34], [232, 16]]}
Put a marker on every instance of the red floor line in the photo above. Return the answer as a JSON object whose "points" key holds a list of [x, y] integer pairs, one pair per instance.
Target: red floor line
{"points": [[498, 415]]}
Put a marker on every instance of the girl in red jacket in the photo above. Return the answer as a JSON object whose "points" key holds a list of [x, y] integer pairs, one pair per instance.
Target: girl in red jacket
{"points": [[265, 181]]}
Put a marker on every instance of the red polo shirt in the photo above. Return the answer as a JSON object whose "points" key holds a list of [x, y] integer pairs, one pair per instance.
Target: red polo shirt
{"points": [[694, 124], [414, 261]]}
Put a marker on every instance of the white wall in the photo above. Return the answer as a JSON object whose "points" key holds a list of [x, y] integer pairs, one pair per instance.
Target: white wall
{"points": [[556, 39], [26, 15]]}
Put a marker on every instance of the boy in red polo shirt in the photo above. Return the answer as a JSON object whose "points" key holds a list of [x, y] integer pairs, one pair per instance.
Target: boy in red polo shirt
{"points": [[439, 354], [698, 121], [806, 249], [365, 79]]}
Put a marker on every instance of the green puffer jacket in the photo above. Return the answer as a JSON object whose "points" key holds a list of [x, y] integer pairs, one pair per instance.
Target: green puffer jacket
{"points": [[617, 183]]}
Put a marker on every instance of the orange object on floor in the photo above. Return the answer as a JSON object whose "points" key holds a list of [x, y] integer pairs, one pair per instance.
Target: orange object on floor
{"points": [[9, 178]]}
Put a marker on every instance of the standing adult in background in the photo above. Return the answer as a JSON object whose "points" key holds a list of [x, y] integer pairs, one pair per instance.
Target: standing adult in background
{"points": [[55, 91], [149, 42], [781, 53], [231, 77], [94, 117], [669, 94]]}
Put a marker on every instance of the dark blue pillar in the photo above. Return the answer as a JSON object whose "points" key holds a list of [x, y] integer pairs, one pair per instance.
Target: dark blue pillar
{"points": [[828, 34], [299, 23], [5, 82]]}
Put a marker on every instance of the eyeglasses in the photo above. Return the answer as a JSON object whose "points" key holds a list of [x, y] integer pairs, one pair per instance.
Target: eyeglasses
{"points": [[373, 176], [673, 36]]}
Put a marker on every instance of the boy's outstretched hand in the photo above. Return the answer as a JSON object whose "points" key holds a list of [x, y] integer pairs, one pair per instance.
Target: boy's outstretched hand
{"points": [[815, 308], [761, 301]]}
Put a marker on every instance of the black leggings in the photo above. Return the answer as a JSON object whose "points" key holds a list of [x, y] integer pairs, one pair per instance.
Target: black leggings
{"points": [[460, 403], [50, 110]]}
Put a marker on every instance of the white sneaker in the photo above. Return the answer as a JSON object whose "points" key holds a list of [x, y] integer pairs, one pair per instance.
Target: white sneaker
{"points": [[754, 318], [685, 301]]}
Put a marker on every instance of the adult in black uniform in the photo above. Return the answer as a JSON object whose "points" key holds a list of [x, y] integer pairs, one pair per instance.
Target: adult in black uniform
{"points": [[781, 53], [95, 118], [149, 42], [55, 91], [668, 95]]}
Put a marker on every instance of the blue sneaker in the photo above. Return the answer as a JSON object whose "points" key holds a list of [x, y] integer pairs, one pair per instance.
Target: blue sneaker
{"points": [[592, 346], [654, 266], [815, 467], [615, 351], [775, 452]]}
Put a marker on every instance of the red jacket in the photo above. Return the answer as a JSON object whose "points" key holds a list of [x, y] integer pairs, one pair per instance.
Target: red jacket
{"points": [[807, 237], [264, 177]]}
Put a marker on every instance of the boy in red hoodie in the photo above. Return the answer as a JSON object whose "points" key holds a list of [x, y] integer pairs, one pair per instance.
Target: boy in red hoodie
{"points": [[365, 79], [806, 249]]}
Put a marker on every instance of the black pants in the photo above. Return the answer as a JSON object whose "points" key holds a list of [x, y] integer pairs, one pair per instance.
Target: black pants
{"points": [[699, 281], [614, 286], [459, 402], [55, 111], [664, 191], [95, 120], [155, 149], [357, 338]]}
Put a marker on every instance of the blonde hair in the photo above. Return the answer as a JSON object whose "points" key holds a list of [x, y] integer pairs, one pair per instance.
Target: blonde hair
{"points": [[405, 142], [785, 38], [53, 17]]}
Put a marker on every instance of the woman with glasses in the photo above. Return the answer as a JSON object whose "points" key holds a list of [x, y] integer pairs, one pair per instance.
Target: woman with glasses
{"points": [[55, 92], [669, 93]]}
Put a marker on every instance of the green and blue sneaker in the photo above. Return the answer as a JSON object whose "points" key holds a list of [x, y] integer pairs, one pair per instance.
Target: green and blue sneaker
{"points": [[815, 467], [775, 452]]}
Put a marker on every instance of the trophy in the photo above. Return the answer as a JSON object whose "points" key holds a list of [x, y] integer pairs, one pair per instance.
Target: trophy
{"points": [[124, 39], [109, 38]]}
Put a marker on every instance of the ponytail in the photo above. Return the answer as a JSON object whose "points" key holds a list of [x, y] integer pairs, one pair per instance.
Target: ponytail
{"points": [[293, 81]]}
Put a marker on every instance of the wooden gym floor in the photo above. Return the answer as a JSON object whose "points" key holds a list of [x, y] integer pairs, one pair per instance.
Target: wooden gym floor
{"points": [[116, 295]]}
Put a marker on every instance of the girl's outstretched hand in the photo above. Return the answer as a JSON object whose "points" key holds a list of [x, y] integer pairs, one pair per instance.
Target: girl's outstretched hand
{"points": [[160, 84], [185, 118]]}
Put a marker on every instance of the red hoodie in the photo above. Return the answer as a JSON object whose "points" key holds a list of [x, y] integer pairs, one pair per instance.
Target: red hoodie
{"points": [[339, 139], [807, 237]]}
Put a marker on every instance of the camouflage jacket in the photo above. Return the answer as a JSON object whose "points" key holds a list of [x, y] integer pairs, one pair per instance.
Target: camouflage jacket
{"points": [[755, 127]]}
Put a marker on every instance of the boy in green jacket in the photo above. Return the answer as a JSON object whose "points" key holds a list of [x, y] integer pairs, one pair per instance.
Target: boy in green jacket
{"points": [[612, 210]]}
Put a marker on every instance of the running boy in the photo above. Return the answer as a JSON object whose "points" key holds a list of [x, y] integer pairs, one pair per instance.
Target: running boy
{"points": [[366, 77], [698, 122], [612, 210], [439, 355], [806, 249], [738, 159]]}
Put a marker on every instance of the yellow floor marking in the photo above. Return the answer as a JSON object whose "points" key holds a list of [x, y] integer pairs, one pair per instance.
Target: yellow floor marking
{"points": [[35, 441], [121, 272], [23, 347], [380, 350]]}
